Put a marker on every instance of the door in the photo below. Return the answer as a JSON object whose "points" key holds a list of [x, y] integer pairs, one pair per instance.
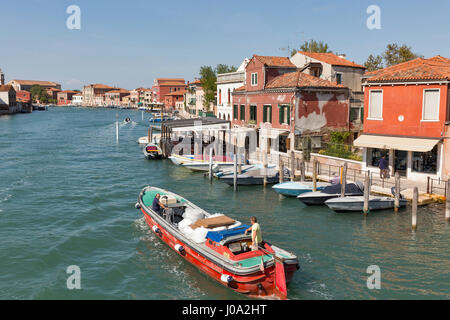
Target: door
{"points": [[401, 162]]}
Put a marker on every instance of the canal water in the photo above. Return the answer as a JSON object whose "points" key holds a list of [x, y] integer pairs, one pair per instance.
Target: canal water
{"points": [[67, 195]]}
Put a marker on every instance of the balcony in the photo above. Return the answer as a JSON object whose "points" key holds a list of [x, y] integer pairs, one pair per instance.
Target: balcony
{"points": [[231, 77]]}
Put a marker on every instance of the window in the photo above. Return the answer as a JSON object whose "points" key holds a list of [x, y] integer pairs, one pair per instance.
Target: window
{"points": [[254, 79], [242, 113], [374, 156], [253, 116], [267, 113], [431, 105], [339, 78], [284, 114], [235, 112], [229, 96], [425, 162], [220, 97], [376, 104], [355, 114]]}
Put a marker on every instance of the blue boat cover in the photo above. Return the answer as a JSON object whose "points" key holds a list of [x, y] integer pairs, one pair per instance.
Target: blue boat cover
{"points": [[218, 236]]}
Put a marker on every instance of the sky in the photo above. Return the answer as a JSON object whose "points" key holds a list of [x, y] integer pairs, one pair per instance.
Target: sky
{"points": [[130, 43]]}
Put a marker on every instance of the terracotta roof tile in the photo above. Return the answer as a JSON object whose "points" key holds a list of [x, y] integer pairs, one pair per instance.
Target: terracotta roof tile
{"points": [[36, 82], [299, 79], [5, 87], [332, 59], [176, 93], [272, 61], [240, 88], [436, 68]]}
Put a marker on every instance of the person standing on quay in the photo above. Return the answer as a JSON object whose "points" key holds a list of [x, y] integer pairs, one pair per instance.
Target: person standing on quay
{"points": [[384, 170]]}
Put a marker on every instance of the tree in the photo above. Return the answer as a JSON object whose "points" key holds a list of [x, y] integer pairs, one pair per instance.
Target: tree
{"points": [[313, 46], [395, 54], [374, 63], [208, 81], [39, 93], [223, 68]]}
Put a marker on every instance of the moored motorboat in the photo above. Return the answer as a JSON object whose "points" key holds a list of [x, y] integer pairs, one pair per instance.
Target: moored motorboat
{"points": [[152, 151], [218, 246], [180, 159], [356, 203], [294, 188], [252, 177], [201, 163], [330, 192]]}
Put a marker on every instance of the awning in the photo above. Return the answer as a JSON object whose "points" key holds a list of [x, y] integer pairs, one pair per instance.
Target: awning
{"points": [[396, 143]]}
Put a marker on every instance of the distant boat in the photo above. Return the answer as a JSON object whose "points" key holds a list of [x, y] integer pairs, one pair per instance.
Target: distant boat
{"points": [[356, 203], [293, 188], [152, 151], [332, 191]]}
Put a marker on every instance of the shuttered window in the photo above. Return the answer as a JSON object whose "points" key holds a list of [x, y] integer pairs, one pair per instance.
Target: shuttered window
{"points": [[267, 113], [235, 112], [253, 113], [284, 114], [376, 104], [242, 112], [431, 98]]}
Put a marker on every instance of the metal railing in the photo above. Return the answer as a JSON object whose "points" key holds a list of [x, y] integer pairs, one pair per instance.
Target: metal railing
{"points": [[437, 186]]}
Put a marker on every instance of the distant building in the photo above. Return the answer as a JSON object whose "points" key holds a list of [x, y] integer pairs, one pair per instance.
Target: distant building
{"points": [[174, 100], [94, 94], [65, 97], [77, 99], [163, 86], [53, 93], [2, 77], [226, 84], [114, 97], [8, 103], [27, 84], [407, 118]]}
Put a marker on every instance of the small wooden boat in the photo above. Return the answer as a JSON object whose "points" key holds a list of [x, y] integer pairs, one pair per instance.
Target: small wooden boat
{"points": [[330, 192], [293, 188], [356, 203], [218, 248], [152, 151]]}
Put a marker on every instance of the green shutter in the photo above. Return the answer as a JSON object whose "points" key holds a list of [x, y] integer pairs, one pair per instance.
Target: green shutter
{"points": [[270, 108], [264, 114], [280, 114], [288, 114]]}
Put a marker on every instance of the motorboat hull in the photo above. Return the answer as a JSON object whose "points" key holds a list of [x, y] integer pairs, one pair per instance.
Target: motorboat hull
{"points": [[256, 283], [356, 204], [293, 189]]}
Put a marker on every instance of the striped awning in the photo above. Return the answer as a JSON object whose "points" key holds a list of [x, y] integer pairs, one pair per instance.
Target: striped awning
{"points": [[396, 143]]}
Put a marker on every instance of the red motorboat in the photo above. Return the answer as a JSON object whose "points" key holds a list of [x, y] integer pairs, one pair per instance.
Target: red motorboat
{"points": [[218, 246]]}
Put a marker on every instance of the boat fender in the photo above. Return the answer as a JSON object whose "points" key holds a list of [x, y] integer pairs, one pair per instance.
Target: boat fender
{"points": [[179, 248], [137, 205], [156, 229], [226, 278]]}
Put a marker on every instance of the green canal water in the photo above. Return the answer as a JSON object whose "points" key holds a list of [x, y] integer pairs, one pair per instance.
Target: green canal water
{"points": [[67, 195]]}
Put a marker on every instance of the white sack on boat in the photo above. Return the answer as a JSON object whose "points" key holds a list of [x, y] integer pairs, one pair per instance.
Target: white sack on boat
{"points": [[192, 214], [199, 235], [184, 223], [237, 224], [187, 231], [219, 229]]}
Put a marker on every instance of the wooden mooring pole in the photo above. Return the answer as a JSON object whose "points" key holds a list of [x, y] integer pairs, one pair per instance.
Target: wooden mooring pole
{"points": [[397, 192], [366, 194], [281, 169], [210, 164], [235, 172], [447, 202], [292, 166], [344, 179], [265, 169], [314, 175], [302, 170], [414, 207]]}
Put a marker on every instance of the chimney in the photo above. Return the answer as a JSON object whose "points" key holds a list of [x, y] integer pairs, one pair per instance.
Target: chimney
{"points": [[2, 78]]}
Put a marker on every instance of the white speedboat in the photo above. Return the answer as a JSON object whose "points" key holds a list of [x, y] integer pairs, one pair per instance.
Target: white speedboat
{"points": [[356, 203]]}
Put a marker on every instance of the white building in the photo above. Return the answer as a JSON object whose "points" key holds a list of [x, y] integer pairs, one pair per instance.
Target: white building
{"points": [[77, 99], [226, 83]]}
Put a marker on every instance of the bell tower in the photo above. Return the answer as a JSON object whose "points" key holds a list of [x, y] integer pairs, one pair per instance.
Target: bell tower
{"points": [[2, 78]]}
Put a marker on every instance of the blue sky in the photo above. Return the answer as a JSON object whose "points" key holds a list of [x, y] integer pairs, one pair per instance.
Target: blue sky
{"points": [[129, 43]]}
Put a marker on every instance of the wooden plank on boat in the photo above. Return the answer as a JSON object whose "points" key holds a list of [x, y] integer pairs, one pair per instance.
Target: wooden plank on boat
{"points": [[221, 221]]}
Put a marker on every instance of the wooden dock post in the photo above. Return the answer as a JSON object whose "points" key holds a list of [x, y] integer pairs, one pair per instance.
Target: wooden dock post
{"points": [[240, 162], [281, 169], [447, 202], [397, 192], [302, 170], [414, 207], [314, 168], [235, 172], [265, 169], [292, 165], [344, 179], [366, 194], [210, 164]]}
